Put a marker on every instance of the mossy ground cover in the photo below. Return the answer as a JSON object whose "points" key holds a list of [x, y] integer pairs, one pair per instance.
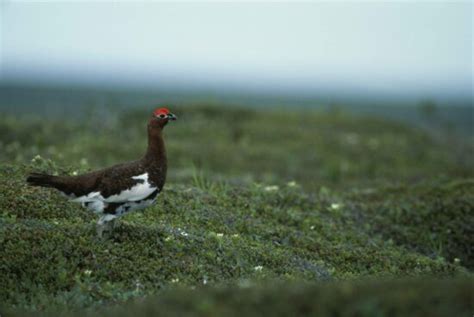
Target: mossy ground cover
{"points": [[255, 200]]}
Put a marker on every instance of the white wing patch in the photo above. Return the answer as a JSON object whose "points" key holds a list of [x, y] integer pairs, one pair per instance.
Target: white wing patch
{"points": [[96, 202], [137, 192]]}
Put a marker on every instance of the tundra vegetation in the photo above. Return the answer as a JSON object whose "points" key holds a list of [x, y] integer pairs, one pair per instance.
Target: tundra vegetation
{"points": [[264, 212]]}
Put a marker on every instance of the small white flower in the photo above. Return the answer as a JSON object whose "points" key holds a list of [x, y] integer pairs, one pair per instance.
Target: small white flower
{"points": [[204, 281], [74, 173], [182, 232], [56, 222], [312, 227], [138, 285], [291, 184], [271, 188], [457, 260], [219, 235], [36, 158], [87, 272], [335, 206], [168, 238], [235, 235], [175, 280], [258, 268]]}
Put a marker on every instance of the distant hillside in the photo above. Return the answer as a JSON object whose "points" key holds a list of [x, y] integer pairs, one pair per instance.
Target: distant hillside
{"points": [[456, 116]]}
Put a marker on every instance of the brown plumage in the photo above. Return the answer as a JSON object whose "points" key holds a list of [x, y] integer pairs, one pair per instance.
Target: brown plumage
{"points": [[117, 190]]}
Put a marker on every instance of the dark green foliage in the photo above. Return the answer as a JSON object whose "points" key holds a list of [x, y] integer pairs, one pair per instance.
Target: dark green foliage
{"points": [[253, 199], [435, 220], [227, 234]]}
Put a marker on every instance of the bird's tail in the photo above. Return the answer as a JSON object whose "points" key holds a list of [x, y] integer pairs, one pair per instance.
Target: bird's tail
{"points": [[40, 179]]}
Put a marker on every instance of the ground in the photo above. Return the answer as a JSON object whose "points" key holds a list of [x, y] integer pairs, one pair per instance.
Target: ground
{"points": [[264, 211]]}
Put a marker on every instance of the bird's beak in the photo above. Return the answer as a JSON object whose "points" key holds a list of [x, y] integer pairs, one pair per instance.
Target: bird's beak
{"points": [[172, 117]]}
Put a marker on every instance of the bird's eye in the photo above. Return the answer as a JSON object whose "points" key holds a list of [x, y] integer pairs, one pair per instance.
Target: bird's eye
{"points": [[162, 116]]}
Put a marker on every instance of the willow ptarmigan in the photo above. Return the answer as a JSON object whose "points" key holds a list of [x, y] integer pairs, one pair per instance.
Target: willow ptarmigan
{"points": [[120, 189]]}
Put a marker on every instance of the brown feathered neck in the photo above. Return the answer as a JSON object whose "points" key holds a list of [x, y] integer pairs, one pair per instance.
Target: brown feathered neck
{"points": [[156, 151]]}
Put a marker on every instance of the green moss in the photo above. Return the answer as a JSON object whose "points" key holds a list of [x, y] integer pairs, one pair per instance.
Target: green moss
{"points": [[229, 234], [245, 205], [436, 220]]}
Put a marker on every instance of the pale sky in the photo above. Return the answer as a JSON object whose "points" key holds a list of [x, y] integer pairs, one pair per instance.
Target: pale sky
{"points": [[414, 47]]}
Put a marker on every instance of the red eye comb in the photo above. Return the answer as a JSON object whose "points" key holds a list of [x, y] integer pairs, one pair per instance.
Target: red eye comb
{"points": [[159, 111]]}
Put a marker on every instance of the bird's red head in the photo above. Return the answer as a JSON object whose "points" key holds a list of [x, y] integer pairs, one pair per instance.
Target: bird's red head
{"points": [[161, 116], [163, 113]]}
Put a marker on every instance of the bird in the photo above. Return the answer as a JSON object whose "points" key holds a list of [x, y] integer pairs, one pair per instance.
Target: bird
{"points": [[120, 189]]}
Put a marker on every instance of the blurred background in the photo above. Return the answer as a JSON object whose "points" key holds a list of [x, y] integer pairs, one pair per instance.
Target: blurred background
{"points": [[325, 52], [258, 79]]}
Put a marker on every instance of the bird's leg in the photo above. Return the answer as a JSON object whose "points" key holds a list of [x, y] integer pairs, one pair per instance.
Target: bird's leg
{"points": [[100, 229], [105, 223], [115, 223]]}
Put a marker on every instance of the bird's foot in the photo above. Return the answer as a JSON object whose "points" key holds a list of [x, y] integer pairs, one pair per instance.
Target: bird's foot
{"points": [[114, 224], [100, 230], [105, 223]]}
